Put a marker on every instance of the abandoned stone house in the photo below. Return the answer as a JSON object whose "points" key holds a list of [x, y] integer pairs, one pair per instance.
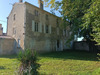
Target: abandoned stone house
{"points": [[35, 28]]}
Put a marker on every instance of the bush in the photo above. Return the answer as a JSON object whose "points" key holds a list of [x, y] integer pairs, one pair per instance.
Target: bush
{"points": [[28, 65]]}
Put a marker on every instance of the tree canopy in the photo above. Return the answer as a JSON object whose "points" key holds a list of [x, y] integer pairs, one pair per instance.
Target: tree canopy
{"points": [[83, 16], [92, 17]]}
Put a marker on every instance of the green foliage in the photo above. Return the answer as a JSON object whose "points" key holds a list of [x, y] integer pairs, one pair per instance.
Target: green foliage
{"points": [[29, 65], [98, 56], [96, 72], [8, 65], [93, 17], [72, 11]]}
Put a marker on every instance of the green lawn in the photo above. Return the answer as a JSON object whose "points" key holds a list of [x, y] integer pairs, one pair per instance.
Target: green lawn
{"points": [[57, 63]]}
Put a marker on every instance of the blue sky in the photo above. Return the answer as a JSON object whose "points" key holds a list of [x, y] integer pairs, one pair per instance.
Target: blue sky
{"points": [[6, 6]]}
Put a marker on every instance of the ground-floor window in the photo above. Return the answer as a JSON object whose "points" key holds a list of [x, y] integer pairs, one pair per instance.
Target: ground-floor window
{"points": [[18, 43]]}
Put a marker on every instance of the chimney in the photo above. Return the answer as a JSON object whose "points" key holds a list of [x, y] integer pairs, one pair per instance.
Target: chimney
{"points": [[1, 30], [40, 4], [20, 1], [0, 25]]}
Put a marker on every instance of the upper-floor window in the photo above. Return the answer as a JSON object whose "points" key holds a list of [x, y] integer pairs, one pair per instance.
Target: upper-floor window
{"points": [[36, 13], [14, 17], [47, 17], [36, 27], [14, 31], [47, 29]]}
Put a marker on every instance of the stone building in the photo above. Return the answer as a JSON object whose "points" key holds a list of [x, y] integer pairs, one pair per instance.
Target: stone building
{"points": [[35, 28]]}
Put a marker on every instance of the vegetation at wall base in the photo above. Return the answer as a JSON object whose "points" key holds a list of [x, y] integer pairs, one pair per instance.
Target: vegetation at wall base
{"points": [[29, 65]]}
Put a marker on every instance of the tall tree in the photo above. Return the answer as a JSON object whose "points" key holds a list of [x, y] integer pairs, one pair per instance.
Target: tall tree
{"points": [[73, 11], [83, 17], [92, 17]]}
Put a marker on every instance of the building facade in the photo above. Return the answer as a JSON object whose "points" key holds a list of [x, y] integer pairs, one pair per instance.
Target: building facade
{"points": [[35, 28]]}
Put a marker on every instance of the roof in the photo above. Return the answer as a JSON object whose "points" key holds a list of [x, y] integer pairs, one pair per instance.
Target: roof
{"points": [[34, 6], [41, 9]]}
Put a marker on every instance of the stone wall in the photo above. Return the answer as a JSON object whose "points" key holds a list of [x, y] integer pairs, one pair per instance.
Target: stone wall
{"points": [[6, 45], [20, 27], [16, 21], [81, 46], [41, 41]]}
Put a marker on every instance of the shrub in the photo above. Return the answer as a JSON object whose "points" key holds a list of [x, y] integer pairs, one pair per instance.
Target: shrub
{"points": [[28, 64]]}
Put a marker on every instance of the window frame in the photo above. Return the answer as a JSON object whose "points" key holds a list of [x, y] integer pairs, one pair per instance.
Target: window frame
{"points": [[14, 30], [18, 45], [36, 13], [47, 29], [36, 27]]}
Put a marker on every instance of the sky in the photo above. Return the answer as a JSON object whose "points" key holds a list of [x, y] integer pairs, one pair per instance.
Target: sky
{"points": [[6, 6]]}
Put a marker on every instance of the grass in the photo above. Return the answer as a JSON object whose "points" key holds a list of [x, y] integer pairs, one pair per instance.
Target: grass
{"points": [[57, 63], [8, 65]]}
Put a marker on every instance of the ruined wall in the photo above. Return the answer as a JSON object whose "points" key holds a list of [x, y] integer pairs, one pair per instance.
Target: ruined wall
{"points": [[81, 46], [7, 46]]}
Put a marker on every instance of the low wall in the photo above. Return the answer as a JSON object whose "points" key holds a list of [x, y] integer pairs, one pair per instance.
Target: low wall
{"points": [[81, 46], [6, 45]]}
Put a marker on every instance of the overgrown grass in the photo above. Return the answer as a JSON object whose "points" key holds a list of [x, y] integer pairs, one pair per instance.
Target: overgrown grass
{"points": [[8, 65], [58, 63]]}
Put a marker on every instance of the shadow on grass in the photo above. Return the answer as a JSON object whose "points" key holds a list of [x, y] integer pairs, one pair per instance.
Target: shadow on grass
{"points": [[9, 56], [70, 54], [2, 67]]}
